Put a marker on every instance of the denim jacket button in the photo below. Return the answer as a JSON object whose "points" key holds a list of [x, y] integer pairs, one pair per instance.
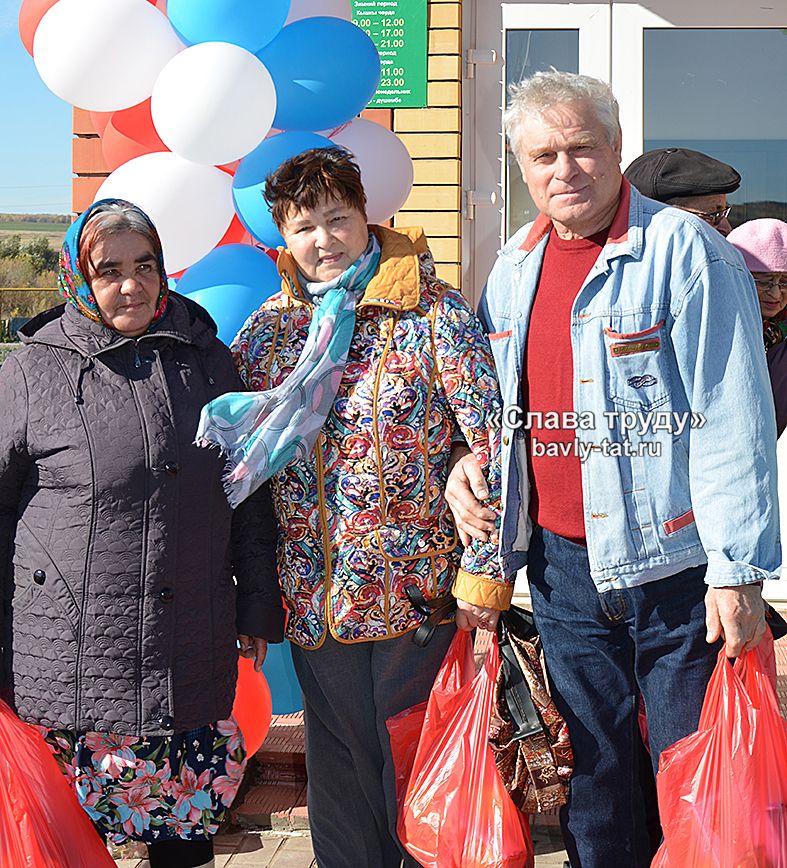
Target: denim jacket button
{"points": [[506, 440]]}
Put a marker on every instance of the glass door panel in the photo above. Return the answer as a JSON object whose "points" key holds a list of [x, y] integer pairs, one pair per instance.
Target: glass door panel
{"points": [[700, 93], [528, 36], [528, 52]]}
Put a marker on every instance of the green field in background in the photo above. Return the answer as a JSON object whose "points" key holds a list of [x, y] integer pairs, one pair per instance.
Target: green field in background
{"points": [[36, 228]]}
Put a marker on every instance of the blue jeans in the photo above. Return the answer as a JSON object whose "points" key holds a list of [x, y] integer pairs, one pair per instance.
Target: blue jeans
{"points": [[602, 651]]}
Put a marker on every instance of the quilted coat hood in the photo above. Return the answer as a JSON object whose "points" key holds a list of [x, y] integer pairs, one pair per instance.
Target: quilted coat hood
{"points": [[67, 329]]}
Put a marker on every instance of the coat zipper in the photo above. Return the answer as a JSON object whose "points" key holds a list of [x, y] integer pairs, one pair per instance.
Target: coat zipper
{"points": [[326, 544]]}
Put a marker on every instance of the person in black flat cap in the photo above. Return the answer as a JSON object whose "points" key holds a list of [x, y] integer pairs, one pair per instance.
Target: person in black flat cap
{"points": [[689, 180]]}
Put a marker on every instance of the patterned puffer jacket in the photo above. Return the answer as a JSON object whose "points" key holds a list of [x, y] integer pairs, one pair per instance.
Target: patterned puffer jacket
{"points": [[115, 564], [367, 514]]}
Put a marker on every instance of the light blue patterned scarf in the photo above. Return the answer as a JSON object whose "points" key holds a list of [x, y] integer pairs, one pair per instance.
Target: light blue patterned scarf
{"points": [[261, 432]]}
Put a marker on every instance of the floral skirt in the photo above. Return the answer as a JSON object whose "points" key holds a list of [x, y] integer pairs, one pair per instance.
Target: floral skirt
{"points": [[155, 788]]}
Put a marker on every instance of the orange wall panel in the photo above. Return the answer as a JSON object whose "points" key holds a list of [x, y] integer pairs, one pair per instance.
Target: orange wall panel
{"points": [[381, 116], [83, 192], [82, 124], [87, 158]]}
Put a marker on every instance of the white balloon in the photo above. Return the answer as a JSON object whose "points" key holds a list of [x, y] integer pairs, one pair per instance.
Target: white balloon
{"points": [[385, 163], [191, 205], [213, 103], [309, 8], [103, 55]]}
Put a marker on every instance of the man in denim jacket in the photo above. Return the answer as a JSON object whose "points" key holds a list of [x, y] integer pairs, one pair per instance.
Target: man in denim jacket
{"points": [[639, 482]]}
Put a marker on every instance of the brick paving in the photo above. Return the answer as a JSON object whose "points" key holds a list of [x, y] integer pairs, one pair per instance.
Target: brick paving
{"points": [[271, 822], [254, 850]]}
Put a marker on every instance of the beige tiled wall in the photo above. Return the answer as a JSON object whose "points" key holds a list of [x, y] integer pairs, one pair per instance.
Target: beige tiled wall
{"points": [[433, 137]]}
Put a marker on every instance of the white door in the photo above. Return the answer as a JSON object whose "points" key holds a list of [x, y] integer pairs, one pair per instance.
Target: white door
{"points": [[512, 41]]}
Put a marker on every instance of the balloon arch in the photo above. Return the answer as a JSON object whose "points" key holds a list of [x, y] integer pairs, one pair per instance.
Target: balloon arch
{"points": [[197, 101]]}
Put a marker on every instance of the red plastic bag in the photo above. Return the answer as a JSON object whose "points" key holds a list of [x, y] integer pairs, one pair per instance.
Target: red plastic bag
{"points": [[723, 790], [41, 822], [456, 812], [404, 728]]}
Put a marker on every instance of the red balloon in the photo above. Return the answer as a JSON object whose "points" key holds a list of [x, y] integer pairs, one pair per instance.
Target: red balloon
{"points": [[230, 168], [236, 234], [100, 121], [252, 709], [130, 133], [30, 14]]}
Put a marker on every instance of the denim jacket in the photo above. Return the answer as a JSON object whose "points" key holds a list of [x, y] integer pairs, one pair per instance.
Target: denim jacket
{"points": [[665, 325]]}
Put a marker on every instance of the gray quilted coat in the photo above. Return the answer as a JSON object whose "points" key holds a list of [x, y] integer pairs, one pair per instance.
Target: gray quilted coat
{"points": [[119, 604]]}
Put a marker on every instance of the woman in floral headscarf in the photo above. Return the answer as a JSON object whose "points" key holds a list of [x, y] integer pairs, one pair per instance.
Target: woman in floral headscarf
{"points": [[119, 628]]}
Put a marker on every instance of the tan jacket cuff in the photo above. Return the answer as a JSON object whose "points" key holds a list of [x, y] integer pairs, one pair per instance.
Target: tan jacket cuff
{"points": [[480, 591]]}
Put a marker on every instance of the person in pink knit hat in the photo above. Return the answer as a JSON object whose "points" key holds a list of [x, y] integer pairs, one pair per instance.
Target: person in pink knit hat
{"points": [[763, 244]]}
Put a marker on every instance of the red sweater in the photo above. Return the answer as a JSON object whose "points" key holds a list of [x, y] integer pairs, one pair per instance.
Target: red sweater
{"points": [[547, 385]]}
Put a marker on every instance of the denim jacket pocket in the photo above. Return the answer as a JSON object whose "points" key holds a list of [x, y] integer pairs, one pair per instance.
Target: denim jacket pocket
{"points": [[507, 356], [637, 370]]}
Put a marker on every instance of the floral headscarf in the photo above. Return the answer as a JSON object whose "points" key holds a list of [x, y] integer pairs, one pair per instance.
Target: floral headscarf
{"points": [[72, 282]]}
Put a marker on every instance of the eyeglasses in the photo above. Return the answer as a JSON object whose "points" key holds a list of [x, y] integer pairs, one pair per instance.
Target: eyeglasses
{"points": [[772, 281], [712, 217]]}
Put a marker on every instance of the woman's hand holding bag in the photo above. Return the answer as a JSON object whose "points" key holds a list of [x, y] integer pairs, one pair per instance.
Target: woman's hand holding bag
{"points": [[455, 812]]}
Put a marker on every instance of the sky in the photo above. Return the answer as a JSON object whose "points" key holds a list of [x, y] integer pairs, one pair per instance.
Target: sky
{"points": [[35, 146]]}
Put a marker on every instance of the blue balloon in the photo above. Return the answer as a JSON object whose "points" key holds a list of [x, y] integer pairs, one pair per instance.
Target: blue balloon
{"points": [[325, 70], [280, 675], [248, 23], [231, 282], [254, 168]]}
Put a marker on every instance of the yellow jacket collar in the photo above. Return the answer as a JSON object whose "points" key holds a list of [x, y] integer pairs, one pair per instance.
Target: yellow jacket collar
{"points": [[396, 284]]}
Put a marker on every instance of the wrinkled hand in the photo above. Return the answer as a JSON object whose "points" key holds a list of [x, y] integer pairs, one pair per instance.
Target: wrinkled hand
{"points": [[737, 615], [465, 490], [254, 647], [468, 617]]}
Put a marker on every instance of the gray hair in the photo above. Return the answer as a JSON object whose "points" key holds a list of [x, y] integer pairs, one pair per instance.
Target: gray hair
{"points": [[536, 95], [111, 217]]}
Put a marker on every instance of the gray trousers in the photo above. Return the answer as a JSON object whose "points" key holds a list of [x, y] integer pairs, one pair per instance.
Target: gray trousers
{"points": [[349, 691]]}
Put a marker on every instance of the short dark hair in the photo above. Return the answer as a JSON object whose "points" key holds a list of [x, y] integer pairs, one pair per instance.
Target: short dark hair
{"points": [[305, 179]]}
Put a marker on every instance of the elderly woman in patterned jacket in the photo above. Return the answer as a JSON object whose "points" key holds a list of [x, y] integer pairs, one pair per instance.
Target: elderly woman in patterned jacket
{"points": [[365, 366], [119, 626]]}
